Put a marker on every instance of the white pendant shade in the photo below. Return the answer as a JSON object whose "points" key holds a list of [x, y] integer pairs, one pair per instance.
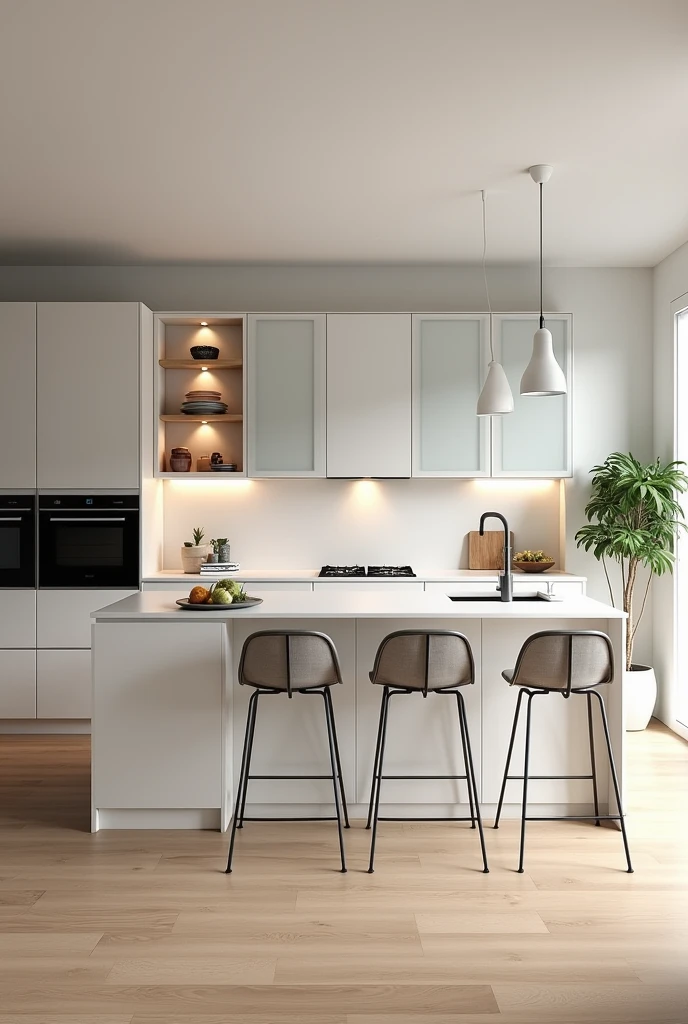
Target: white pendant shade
{"points": [[495, 398], [543, 375]]}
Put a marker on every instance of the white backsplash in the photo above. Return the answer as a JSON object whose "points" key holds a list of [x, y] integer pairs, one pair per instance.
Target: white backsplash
{"points": [[287, 524]]}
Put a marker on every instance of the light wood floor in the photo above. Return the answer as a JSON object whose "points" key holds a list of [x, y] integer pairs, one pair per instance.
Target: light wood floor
{"points": [[143, 927]]}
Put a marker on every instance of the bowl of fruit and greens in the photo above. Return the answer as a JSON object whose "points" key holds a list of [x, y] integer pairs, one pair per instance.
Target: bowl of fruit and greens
{"points": [[532, 561], [222, 592]]}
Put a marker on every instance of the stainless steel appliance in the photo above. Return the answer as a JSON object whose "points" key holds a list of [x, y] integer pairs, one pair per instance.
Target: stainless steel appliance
{"points": [[354, 571], [18, 541], [88, 541]]}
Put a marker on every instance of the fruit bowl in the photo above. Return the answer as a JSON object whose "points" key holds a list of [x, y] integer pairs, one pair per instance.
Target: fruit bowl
{"points": [[533, 566], [204, 352]]}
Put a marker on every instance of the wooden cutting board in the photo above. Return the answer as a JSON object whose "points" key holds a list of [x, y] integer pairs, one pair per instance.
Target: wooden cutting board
{"points": [[487, 552]]}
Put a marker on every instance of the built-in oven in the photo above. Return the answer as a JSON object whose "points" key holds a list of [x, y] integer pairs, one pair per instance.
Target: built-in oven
{"points": [[18, 541], [88, 541]]}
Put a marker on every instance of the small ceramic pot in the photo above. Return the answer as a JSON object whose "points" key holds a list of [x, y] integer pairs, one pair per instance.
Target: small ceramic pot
{"points": [[212, 557], [194, 557], [204, 352], [180, 460], [223, 555]]}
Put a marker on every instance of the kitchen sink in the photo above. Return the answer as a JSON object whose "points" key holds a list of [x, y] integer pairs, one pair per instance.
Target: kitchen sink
{"points": [[497, 597]]}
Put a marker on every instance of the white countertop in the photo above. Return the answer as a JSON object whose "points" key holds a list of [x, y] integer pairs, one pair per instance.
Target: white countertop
{"points": [[298, 575], [156, 606]]}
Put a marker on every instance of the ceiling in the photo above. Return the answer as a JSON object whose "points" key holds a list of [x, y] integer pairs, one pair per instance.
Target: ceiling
{"points": [[214, 131]]}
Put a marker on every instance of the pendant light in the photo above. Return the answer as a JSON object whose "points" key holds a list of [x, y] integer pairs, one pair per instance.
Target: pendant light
{"points": [[495, 398], [543, 375]]}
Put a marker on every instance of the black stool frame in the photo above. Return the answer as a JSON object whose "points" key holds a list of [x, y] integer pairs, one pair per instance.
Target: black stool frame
{"points": [[374, 807], [589, 693], [341, 812]]}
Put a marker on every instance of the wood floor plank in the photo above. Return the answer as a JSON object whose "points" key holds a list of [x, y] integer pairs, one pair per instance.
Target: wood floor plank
{"points": [[196, 970], [479, 921]]}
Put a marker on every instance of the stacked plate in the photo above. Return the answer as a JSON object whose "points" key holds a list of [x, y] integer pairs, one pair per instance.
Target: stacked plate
{"points": [[208, 403]]}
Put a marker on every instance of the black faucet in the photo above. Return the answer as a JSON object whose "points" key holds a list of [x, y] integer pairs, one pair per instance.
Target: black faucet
{"points": [[505, 585]]}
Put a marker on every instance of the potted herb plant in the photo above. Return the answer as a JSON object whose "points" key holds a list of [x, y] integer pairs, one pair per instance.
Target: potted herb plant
{"points": [[634, 519], [194, 553], [220, 550]]}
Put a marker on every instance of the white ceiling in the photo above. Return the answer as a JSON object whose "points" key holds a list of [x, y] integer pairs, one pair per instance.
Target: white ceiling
{"points": [[150, 131]]}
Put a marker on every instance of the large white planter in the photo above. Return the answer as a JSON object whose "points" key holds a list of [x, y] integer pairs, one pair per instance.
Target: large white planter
{"points": [[640, 695], [193, 558]]}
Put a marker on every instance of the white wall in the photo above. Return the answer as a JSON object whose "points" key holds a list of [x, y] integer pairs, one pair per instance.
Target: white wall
{"points": [[670, 282], [612, 311]]}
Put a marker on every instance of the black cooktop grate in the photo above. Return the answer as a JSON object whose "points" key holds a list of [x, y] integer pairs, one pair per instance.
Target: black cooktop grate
{"points": [[353, 571]]}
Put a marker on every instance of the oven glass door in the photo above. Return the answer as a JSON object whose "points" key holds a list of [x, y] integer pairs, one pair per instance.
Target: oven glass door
{"points": [[89, 550], [17, 548]]}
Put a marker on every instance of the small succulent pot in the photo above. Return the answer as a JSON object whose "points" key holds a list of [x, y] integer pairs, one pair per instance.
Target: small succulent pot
{"points": [[204, 352], [223, 554], [212, 557]]}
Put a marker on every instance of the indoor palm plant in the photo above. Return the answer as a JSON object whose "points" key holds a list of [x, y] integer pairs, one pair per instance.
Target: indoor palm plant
{"points": [[634, 519]]}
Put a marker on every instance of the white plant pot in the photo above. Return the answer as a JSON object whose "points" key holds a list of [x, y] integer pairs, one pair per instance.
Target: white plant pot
{"points": [[194, 557], [640, 696]]}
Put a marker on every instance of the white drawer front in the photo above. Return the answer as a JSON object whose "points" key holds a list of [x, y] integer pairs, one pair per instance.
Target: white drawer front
{"points": [[252, 588], [17, 618], [64, 615], [63, 684], [388, 585], [17, 684]]}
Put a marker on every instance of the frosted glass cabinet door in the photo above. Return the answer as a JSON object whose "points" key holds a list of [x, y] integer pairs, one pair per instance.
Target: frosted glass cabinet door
{"points": [[286, 395], [534, 440], [449, 367]]}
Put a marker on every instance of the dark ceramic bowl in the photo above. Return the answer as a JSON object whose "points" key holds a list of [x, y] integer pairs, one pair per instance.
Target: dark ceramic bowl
{"points": [[204, 352]]}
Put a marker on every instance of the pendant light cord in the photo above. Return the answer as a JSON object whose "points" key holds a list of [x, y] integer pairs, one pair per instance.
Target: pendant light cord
{"points": [[487, 290], [542, 319]]}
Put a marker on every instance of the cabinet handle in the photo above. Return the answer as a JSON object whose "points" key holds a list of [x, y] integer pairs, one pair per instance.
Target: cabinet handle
{"points": [[10, 519]]}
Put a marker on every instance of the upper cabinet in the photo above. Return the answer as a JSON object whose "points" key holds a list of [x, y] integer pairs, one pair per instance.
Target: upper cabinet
{"points": [[286, 395], [18, 395], [88, 395], [534, 440], [449, 367], [369, 395]]}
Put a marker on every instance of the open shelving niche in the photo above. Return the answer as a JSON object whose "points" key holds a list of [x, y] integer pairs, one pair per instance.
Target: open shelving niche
{"points": [[177, 373]]}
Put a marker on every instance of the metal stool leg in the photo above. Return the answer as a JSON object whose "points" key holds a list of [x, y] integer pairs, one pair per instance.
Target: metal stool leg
{"points": [[335, 780], [526, 760], [330, 711], [249, 755], [470, 772], [615, 780], [592, 758], [373, 785], [243, 777], [378, 775], [465, 761], [508, 757]]}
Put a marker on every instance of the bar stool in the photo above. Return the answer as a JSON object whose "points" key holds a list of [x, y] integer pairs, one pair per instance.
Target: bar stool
{"points": [[567, 662], [433, 661], [276, 662]]}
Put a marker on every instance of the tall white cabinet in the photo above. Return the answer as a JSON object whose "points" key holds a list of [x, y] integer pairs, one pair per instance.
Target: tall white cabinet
{"points": [[369, 395], [286, 395], [88, 395], [18, 395], [449, 367]]}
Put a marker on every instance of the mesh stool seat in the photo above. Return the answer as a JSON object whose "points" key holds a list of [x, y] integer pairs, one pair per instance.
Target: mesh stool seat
{"points": [[570, 663], [276, 662], [427, 662]]}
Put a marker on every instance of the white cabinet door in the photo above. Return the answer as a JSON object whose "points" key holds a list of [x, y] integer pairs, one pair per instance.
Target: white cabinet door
{"points": [[252, 588], [63, 616], [88, 395], [63, 684], [17, 684], [423, 735], [534, 440], [18, 618], [369, 395], [18, 394], [449, 368], [286, 395]]}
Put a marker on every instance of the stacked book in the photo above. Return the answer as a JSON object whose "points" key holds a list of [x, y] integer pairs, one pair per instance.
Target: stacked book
{"points": [[219, 568]]}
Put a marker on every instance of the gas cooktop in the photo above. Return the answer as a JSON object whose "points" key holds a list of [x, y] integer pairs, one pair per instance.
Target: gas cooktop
{"points": [[353, 571]]}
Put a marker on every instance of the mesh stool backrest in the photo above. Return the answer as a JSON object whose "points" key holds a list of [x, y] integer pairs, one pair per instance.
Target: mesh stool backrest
{"points": [[565, 660], [424, 660], [284, 660]]}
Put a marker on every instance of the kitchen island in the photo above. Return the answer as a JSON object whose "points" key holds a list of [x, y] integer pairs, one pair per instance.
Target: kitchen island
{"points": [[169, 715]]}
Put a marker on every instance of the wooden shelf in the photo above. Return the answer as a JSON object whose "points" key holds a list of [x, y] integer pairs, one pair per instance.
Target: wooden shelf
{"points": [[182, 417], [194, 475], [199, 364]]}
